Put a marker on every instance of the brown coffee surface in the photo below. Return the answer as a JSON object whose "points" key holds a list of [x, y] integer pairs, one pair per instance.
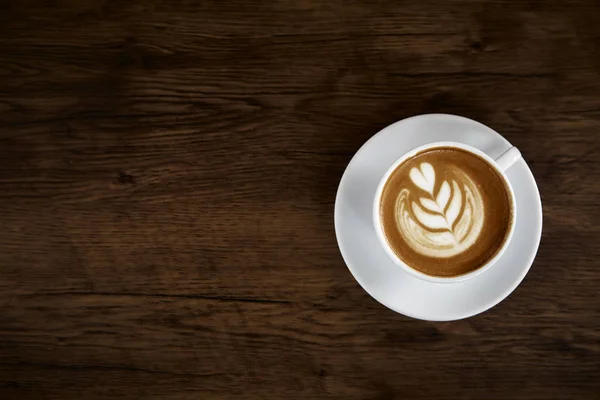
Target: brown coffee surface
{"points": [[445, 212]]}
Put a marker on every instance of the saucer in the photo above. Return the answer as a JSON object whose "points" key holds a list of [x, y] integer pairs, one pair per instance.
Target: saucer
{"points": [[376, 272]]}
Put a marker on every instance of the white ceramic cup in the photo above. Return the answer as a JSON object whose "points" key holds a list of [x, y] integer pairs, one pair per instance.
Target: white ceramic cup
{"points": [[500, 164]]}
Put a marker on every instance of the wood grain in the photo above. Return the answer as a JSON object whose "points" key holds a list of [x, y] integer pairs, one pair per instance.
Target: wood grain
{"points": [[167, 178]]}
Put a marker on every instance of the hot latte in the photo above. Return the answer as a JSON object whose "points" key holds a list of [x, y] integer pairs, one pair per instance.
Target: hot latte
{"points": [[445, 212]]}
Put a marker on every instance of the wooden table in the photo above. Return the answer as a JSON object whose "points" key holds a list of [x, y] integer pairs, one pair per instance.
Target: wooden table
{"points": [[168, 172]]}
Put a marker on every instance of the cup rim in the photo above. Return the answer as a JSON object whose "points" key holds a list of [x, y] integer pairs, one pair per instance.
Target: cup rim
{"points": [[379, 229]]}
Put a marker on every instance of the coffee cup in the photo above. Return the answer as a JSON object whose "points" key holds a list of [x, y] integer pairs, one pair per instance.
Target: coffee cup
{"points": [[446, 211]]}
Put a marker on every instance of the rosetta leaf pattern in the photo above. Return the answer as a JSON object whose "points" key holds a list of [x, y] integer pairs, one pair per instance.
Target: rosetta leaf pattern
{"points": [[440, 217], [443, 195], [438, 211], [455, 205], [424, 177]]}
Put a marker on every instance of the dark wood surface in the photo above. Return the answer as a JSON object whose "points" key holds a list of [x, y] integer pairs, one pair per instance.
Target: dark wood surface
{"points": [[167, 179]]}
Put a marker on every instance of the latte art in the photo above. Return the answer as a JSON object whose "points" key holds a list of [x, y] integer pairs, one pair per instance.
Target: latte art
{"points": [[445, 211], [440, 223]]}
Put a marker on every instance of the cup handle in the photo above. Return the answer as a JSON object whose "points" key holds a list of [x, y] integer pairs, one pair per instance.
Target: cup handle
{"points": [[508, 158]]}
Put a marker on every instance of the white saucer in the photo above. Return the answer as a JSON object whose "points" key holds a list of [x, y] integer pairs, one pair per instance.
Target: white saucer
{"points": [[388, 283]]}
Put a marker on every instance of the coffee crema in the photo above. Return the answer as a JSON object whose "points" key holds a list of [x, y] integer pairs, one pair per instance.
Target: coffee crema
{"points": [[445, 212]]}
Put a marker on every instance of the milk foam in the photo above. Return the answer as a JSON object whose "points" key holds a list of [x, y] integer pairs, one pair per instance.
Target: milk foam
{"points": [[442, 223]]}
